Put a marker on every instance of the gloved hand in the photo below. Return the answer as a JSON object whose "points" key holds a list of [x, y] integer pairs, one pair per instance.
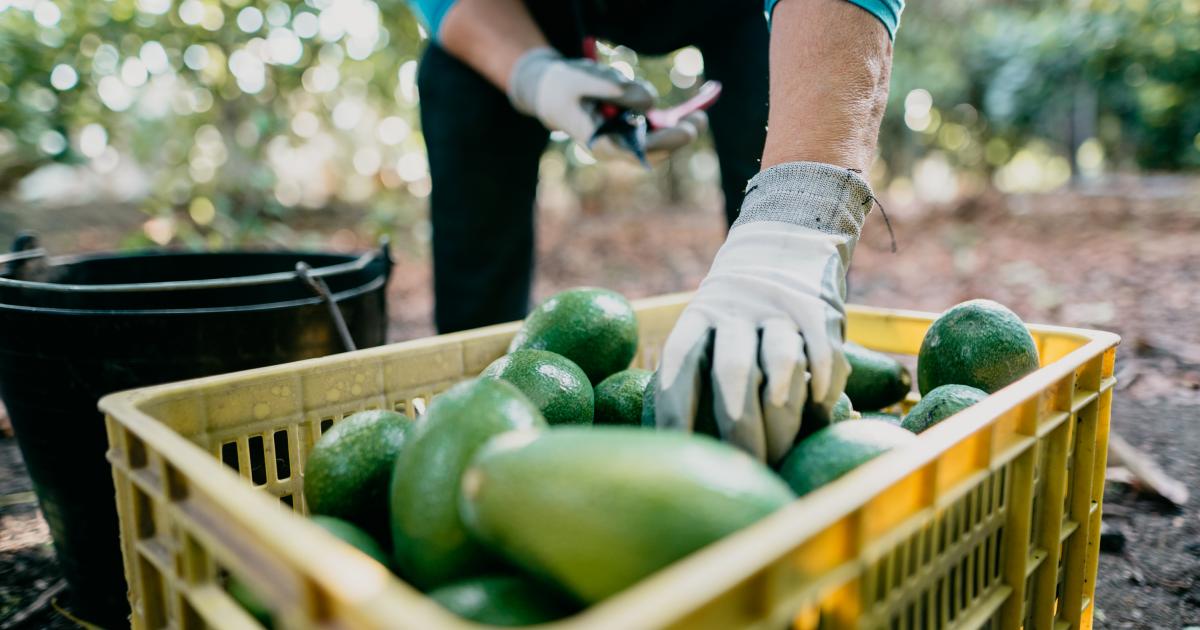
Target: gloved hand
{"points": [[563, 94], [659, 143], [767, 324]]}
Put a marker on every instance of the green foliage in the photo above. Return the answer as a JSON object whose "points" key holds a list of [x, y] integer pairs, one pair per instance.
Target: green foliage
{"points": [[246, 117], [234, 109], [1124, 73]]}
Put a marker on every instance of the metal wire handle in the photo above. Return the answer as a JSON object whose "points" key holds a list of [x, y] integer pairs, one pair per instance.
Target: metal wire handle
{"points": [[24, 248], [317, 284], [28, 254]]}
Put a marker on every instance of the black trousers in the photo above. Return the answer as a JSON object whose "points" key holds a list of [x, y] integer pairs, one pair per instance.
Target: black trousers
{"points": [[483, 154]]}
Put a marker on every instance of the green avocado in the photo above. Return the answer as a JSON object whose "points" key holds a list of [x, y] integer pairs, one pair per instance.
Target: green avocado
{"points": [[883, 416], [705, 421], [619, 397], [595, 328], [551, 381], [838, 449], [349, 468], [597, 509], [843, 409], [941, 403], [431, 546], [250, 602], [504, 600], [353, 535], [978, 343], [876, 380], [344, 530]]}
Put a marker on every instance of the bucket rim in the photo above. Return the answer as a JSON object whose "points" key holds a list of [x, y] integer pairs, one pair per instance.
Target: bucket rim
{"points": [[352, 264], [374, 284]]}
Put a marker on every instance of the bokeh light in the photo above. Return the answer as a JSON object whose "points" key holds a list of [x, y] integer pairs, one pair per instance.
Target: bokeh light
{"points": [[235, 112], [154, 57], [250, 19], [393, 130], [93, 139], [63, 77], [47, 13]]}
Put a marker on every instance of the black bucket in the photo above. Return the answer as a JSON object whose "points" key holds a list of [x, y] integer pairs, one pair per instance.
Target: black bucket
{"points": [[73, 329]]}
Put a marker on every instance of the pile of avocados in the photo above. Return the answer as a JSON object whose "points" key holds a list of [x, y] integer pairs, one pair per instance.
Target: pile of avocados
{"points": [[541, 487]]}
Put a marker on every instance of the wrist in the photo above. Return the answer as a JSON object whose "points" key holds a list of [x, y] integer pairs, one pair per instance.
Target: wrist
{"points": [[526, 77], [488, 35], [821, 197]]}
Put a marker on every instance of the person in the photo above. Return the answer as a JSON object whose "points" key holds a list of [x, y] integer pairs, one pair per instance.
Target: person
{"points": [[500, 75], [762, 336]]}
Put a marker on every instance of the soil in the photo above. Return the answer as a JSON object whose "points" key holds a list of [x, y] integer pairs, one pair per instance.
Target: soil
{"points": [[1122, 257], [27, 565]]}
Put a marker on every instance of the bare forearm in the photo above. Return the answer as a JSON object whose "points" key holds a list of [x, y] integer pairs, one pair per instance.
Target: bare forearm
{"points": [[830, 64], [490, 35]]}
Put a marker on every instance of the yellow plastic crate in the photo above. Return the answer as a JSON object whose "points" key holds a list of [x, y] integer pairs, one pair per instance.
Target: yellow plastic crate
{"points": [[993, 521]]}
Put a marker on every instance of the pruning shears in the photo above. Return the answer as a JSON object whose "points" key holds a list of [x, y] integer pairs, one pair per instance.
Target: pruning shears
{"points": [[629, 128]]}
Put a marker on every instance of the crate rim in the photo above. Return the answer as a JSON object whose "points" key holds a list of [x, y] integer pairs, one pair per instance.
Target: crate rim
{"points": [[690, 576]]}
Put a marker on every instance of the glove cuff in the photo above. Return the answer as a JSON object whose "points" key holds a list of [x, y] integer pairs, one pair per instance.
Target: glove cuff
{"points": [[526, 75], [817, 196]]}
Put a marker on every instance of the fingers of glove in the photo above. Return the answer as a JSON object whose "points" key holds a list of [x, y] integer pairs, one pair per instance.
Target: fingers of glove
{"points": [[698, 120], [577, 122], [679, 373], [781, 355], [566, 95], [670, 139], [736, 381], [592, 80], [586, 78], [633, 93], [682, 134], [841, 371], [638, 96], [822, 330], [604, 148], [822, 322]]}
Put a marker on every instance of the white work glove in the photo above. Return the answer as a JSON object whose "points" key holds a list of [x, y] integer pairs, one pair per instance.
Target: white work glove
{"points": [[763, 334], [564, 94]]}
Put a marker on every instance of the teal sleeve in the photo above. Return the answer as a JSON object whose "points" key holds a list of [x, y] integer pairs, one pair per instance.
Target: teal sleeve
{"points": [[888, 12], [431, 12]]}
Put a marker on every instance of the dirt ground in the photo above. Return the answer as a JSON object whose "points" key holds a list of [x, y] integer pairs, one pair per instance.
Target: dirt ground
{"points": [[1123, 257]]}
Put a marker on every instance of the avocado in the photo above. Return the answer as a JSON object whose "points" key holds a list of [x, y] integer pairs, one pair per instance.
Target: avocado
{"points": [[551, 381], [978, 343], [843, 409], [619, 397], [705, 421], [344, 530], [883, 416], [597, 509], [250, 602], [595, 328], [837, 449], [349, 468], [876, 380], [353, 535], [504, 600], [431, 546], [941, 403]]}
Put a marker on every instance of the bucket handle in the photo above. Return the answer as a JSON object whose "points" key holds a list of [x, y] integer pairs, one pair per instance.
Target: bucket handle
{"points": [[317, 284], [24, 248]]}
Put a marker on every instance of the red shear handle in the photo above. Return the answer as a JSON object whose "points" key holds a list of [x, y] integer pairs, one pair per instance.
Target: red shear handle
{"points": [[607, 110], [708, 94], [589, 48]]}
